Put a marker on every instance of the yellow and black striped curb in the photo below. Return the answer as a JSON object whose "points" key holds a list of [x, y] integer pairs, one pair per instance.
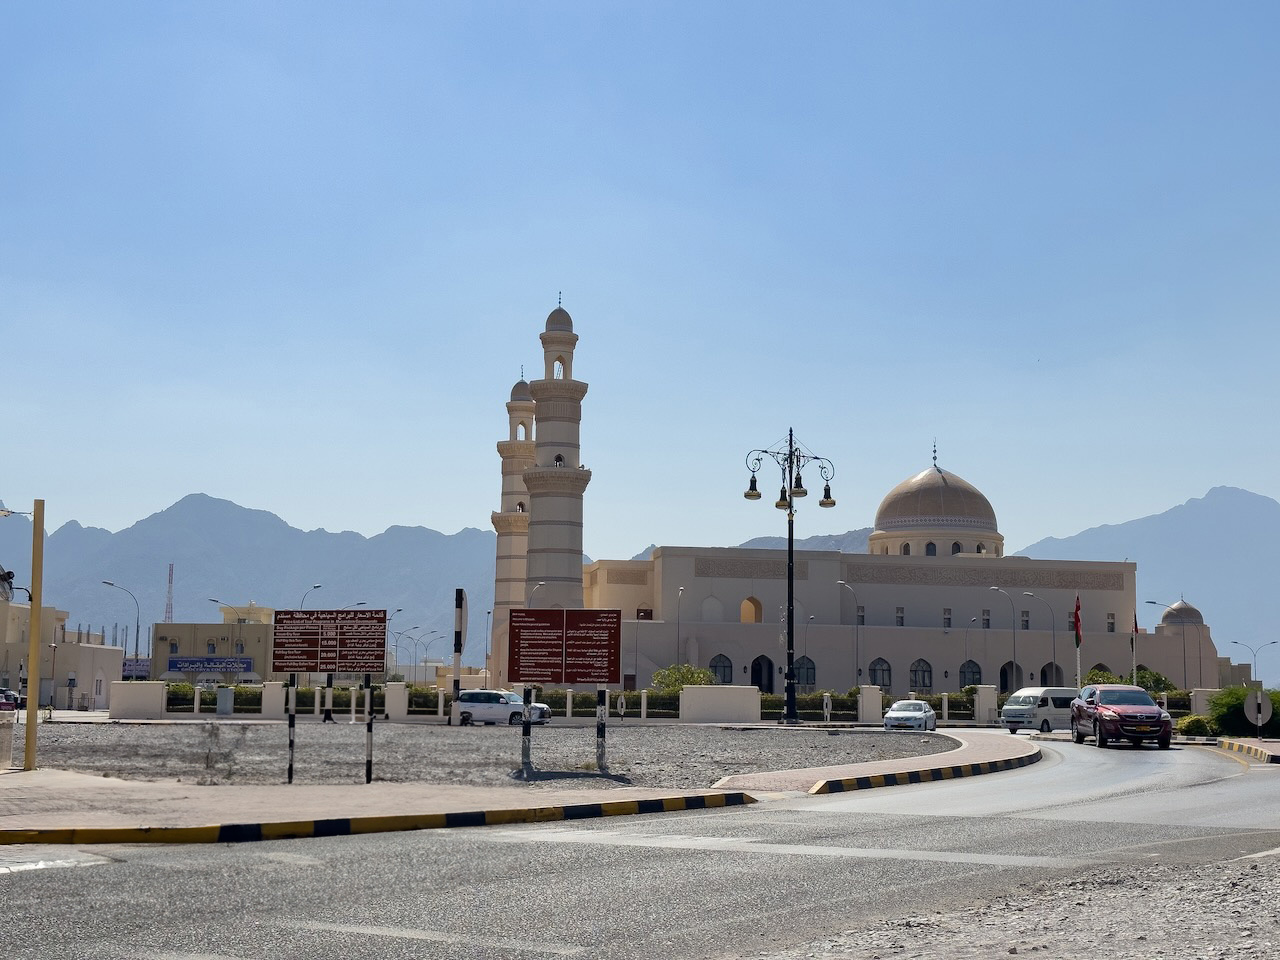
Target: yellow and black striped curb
{"points": [[342, 827], [1257, 753], [923, 776]]}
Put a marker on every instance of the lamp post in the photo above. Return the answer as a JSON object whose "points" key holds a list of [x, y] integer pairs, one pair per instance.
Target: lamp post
{"points": [[53, 677], [1257, 717], [972, 621], [303, 602], [1013, 626], [1053, 681], [137, 624], [791, 459], [1182, 622], [487, 615], [239, 640], [856, 605], [358, 603], [679, 599], [529, 600]]}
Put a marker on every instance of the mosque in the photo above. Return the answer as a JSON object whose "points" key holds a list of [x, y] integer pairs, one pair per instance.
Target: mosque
{"points": [[933, 606]]}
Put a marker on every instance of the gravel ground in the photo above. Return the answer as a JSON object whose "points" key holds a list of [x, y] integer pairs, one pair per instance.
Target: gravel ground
{"points": [[662, 756], [1225, 911]]}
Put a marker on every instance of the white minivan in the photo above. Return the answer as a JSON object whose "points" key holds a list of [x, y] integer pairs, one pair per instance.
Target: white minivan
{"points": [[1042, 708]]}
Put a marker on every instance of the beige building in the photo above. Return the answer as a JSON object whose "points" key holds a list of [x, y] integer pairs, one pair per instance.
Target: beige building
{"points": [[238, 650], [75, 672], [933, 606]]}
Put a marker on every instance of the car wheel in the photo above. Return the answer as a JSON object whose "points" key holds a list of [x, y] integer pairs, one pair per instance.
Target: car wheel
{"points": [[1076, 735], [515, 718], [1099, 736], [464, 719], [1163, 743], [1045, 726]]}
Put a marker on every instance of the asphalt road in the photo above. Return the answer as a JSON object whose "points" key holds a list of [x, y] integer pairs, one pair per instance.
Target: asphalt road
{"points": [[770, 880]]}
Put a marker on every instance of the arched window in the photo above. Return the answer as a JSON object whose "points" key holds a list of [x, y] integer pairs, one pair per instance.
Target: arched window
{"points": [[558, 369], [970, 674], [906, 549], [722, 668], [1101, 667], [1050, 675], [880, 673], [956, 548], [559, 460], [520, 507], [922, 676], [980, 549], [885, 551], [930, 549], [522, 431], [751, 611], [806, 675], [1010, 677]]}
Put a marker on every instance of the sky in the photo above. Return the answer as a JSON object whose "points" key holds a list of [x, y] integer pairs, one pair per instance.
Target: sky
{"points": [[295, 255]]}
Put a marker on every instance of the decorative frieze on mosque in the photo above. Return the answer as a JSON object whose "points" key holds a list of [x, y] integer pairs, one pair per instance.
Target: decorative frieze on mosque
{"points": [[974, 575], [747, 568], [638, 578]]}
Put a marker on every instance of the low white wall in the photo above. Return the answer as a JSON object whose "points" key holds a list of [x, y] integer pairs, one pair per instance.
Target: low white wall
{"points": [[137, 699], [720, 703], [870, 709], [396, 701], [1200, 698], [984, 704], [273, 702]]}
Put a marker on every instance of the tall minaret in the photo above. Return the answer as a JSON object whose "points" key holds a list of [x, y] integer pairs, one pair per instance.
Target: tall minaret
{"points": [[557, 479], [512, 525]]}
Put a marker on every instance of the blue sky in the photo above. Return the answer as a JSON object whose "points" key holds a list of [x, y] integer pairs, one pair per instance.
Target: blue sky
{"points": [[295, 255]]}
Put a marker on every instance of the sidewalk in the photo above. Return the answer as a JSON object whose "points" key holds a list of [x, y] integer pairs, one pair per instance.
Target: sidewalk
{"points": [[56, 806]]}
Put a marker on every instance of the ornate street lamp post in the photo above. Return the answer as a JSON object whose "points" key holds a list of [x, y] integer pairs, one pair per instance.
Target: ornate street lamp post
{"points": [[791, 459]]}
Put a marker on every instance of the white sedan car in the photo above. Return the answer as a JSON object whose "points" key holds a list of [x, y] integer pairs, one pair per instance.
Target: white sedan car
{"points": [[910, 715]]}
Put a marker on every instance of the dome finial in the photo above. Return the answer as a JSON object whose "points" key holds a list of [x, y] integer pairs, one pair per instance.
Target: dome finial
{"points": [[559, 298], [935, 454]]}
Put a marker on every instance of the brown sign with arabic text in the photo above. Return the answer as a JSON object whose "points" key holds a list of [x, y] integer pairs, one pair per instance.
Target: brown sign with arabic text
{"points": [[565, 646]]}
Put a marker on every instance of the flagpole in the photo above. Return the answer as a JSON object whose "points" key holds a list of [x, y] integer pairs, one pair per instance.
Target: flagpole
{"points": [[1075, 616], [1133, 647]]}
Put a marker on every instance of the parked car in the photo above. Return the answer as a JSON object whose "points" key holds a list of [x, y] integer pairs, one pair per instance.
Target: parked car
{"points": [[8, 700], [910, 715], [1118, 711], [498, 706], [1042, 708]]}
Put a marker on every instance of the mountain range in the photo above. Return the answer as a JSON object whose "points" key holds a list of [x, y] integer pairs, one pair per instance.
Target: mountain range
{"points": [[1209, 550]]}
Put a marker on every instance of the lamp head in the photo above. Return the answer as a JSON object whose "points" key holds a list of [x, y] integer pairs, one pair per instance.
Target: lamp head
{"points": [[798, 490], [827, 500], [783, 503], [753, 492]]}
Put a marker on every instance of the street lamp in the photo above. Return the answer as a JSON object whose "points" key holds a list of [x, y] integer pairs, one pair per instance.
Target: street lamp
{"points": [[972, 621], [529, 600], [1013, 625], [239, 640], [1053, 681], [1257, 718], [358, 603], [53, 679], [487, 615], [137, 624], [790, 459], [856, 605], [303, 602], [1182, 621], [679, 598]]}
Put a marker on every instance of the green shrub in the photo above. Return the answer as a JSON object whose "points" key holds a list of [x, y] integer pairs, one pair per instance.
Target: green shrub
{"points": [[1196, 725]]}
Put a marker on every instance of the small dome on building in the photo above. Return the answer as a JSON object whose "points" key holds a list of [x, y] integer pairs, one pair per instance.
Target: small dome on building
{"points": [[1182, 612], [521, 391], [935, 498], [559, 319]]}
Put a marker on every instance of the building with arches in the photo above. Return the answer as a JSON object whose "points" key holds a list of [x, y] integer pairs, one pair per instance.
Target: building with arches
{"points": [[934, 605]]}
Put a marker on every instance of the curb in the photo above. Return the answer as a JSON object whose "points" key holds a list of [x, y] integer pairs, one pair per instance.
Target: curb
{"points": [[1235, 746], [924, 776], [300, 829]]}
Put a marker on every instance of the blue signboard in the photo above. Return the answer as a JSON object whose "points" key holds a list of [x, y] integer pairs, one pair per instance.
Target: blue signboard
{"points": [[211, 664]]}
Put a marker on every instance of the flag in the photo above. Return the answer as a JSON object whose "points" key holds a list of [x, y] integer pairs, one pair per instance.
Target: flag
{"points": [[1075, 620], [1133, 637]]}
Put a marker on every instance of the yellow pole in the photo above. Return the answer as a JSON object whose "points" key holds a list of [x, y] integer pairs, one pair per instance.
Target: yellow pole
{"points": [[33, 641]]}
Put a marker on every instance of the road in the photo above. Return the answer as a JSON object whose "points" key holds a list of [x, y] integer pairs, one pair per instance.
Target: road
{"points": [[753, 881]]}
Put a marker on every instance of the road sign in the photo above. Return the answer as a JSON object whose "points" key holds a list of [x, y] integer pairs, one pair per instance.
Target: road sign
{"points": [[329, 641], [1253, 699], [565, 646]]}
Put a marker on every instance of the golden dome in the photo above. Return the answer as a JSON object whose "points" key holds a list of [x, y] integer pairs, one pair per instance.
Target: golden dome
{"points": [[935, 498]]}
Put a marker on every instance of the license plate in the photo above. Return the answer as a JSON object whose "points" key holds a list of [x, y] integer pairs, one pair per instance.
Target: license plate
{"points": [[1143, 729]]}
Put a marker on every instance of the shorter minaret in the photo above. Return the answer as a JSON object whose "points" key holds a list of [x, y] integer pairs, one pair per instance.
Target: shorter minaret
{"points": [[557, 479], [512, 525]]}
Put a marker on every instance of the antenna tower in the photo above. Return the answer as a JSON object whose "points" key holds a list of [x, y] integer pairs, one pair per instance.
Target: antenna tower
{"points": [[168, 600]]}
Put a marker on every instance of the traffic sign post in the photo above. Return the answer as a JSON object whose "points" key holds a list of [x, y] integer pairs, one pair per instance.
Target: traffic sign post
{"points": [[1258, 706]]}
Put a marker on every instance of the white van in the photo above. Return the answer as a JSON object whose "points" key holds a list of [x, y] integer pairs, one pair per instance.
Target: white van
{"points": [[1042, 708]]}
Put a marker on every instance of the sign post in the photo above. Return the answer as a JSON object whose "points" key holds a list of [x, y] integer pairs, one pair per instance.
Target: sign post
{"points": [[567, 647], [329, 642]]}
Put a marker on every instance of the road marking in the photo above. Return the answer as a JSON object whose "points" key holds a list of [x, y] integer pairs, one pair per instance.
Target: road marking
{"points": [[437, 936], [753, 845], [12, 861]]}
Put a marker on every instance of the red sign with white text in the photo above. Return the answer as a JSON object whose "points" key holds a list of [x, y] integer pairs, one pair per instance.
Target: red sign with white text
{"points": [[565, 646]]}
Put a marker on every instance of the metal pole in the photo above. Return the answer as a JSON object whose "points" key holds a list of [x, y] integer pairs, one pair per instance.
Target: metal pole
{"points": [[293, 716], [1053, 680], [791, 716], [602, 713], [33, 641], [368, 728]]}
